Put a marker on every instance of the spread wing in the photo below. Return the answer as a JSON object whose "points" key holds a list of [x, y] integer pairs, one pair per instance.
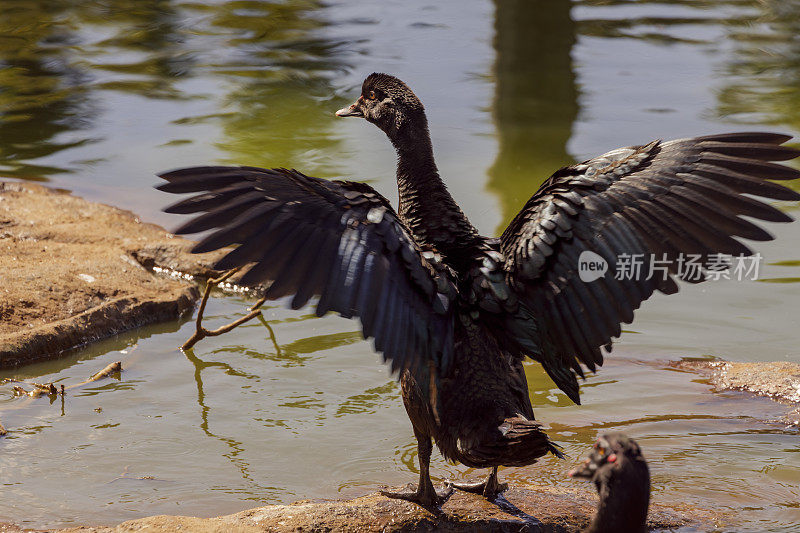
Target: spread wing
{"points": [[338, 240], [655, 206]]}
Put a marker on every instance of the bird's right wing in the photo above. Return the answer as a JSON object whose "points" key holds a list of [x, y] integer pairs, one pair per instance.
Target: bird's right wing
{"points": [[338, 240]]}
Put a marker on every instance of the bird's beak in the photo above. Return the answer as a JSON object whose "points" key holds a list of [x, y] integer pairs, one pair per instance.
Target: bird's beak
{"points": [[352, 110], [585, 470]]}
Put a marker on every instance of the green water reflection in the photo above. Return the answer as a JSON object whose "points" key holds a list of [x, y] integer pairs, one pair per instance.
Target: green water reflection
{"points": [[536, 97], [763, 78], [42, 95]]}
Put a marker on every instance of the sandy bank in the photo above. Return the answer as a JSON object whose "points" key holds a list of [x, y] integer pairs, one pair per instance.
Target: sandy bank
{"points": [[75, 271]]}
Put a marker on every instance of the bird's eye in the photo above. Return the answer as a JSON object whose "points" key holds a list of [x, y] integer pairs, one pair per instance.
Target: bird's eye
{"points": [[372, 95]]}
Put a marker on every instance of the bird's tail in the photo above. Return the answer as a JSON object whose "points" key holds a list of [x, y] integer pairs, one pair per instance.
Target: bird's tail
{"points": [[521, 434], [520, 442]]}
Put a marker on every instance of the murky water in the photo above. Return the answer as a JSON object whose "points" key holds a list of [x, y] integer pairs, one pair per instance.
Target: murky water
{"points": [[97, 97]]}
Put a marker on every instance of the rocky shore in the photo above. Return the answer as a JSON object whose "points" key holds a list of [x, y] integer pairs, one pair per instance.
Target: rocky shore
{"points": [[539, 509], [777, 380], [75, 271]]}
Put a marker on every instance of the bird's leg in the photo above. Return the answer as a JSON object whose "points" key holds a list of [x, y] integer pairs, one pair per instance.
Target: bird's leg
{"points": [[489, 488], [425, 495]]}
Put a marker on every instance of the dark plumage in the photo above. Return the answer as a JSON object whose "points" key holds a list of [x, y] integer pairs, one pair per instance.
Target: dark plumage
{"points": [[620, 473], [455, 312]]}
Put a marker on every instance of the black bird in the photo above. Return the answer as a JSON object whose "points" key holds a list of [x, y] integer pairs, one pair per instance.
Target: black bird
{"points": [[454, 312], [620, 473]]}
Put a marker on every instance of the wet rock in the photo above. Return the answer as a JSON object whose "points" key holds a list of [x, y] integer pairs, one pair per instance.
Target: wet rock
{"points": [[168, 524], [778, 380], [529, 509], [76, 271], [10, 528]]}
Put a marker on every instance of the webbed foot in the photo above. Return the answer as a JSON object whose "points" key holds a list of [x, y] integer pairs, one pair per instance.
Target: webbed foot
{"points": [[489, 488], [426, 496]]}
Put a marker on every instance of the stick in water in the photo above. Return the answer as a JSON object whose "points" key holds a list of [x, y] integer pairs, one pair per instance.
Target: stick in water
{"points": [[201, 332], [107, 371]]}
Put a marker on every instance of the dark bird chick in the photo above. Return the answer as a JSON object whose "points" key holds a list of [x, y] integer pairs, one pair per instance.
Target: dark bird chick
{"points": [[455, 312]]}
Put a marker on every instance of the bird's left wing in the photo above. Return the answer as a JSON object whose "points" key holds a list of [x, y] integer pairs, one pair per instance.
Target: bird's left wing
{"points": [[338, 240], [644, 206]]}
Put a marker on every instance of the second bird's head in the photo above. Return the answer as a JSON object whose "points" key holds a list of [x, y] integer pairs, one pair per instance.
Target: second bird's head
{"points": [[388, 103], [614, 455]]}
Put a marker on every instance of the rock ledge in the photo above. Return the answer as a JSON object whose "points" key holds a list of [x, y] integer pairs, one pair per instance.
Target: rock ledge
{"points": [[75, 271], [540, 509]]}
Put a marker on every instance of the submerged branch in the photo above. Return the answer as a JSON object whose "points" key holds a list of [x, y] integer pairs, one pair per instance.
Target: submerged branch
{"points": [[46, 388], [107, 371], [38, 390], [201, 332], [50, 389], [125, 475]]}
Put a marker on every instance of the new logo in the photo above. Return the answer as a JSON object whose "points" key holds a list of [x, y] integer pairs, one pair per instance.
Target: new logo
{"points": [[591, 266]]}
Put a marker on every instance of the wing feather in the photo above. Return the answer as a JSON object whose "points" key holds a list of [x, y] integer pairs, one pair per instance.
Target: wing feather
{"points": [[337, 240], [660, 201]]}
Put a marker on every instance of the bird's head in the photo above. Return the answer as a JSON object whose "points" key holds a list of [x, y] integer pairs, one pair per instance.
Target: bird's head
{"points": [[388, 103], [611, 453], [620, 473]]}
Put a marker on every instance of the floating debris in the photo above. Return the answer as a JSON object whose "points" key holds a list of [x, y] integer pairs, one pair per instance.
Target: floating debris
{"points": [[46, 388], [50, 389], [106, 372], [125, 475], [39, 389]]}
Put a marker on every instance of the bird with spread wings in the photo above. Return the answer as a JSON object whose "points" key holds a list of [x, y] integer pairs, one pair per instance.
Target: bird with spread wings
{"points": [[455, 312]]}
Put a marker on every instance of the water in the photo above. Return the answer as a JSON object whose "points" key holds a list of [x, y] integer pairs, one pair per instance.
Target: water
{"points": [[97, 97]]}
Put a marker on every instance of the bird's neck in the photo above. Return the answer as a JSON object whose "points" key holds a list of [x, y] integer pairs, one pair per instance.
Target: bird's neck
{"points": [[623, 504], [426, 206]]}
